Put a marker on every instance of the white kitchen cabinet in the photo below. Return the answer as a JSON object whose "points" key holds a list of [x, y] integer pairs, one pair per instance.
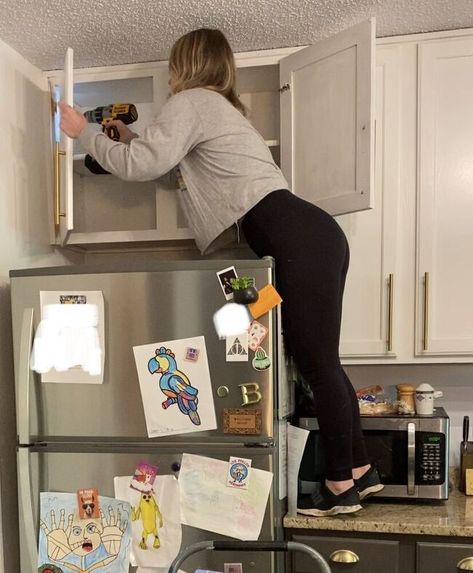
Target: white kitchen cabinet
{"points": [[370, 310], [422, 222], [444, 269], [100, 210]]}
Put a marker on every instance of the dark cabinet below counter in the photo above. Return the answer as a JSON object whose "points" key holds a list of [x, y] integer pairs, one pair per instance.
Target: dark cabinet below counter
{"points": [[383, 553]]}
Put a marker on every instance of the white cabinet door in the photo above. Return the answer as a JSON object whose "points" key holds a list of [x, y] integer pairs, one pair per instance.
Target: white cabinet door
{"points": [[370, 301], [327, 142], [444, 315], [63, 204]]}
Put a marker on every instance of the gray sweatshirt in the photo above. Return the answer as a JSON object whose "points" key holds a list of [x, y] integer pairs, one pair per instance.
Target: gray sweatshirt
{"points": [[225, 164]]}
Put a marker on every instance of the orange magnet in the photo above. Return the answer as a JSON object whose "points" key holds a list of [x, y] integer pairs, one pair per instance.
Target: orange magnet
{"points": [[268, 298]]}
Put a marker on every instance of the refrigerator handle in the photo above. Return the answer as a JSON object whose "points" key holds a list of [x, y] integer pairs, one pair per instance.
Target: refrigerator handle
{"points": [[26, 507], [24, 377]]}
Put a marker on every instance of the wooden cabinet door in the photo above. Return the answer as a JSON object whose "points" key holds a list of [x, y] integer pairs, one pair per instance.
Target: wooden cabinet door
{"points": [[327, 123], [444, 557], [63, 204], [444, 315], [361, 555], [369, 308]]}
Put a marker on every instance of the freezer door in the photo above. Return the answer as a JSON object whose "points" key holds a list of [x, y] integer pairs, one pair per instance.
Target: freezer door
{"points": [[142, 308], [67, 472]]}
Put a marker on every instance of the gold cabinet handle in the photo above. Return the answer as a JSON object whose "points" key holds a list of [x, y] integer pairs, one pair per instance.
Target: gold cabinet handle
{"points": [[390, 312], [344, 556], [57, 185], [426, 310], [465, 564]]}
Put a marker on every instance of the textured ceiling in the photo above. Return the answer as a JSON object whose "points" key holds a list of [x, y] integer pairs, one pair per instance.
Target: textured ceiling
{"points": [[104, 32]]}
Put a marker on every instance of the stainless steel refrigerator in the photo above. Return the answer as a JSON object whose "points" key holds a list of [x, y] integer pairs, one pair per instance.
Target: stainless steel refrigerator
{"points": [[82, 435]]}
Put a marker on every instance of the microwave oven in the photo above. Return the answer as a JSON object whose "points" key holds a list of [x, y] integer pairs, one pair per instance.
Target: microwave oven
{"points": [[411, 453]]}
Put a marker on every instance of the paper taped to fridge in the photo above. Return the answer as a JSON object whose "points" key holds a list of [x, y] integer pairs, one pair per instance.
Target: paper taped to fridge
{"points": [[177, 394]]}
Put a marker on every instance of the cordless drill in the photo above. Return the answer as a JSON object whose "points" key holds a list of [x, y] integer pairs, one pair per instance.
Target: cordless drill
{"points": [[125, 112]]}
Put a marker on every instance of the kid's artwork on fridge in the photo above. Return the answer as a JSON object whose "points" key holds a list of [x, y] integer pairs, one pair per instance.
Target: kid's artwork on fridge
{"points": [[175, 387], [155, 520], [68, 544]]}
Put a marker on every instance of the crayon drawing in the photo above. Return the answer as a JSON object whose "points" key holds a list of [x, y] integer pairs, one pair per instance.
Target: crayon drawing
{"points": [[177, 393], [156, 521], [74, 545]]}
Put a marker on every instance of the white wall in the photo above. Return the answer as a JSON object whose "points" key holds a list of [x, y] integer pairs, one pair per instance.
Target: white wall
{"points": [[25, 182]]}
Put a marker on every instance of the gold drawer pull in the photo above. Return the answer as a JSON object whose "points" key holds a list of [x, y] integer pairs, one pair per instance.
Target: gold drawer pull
{"points": [[465, 564], [344, 556]]}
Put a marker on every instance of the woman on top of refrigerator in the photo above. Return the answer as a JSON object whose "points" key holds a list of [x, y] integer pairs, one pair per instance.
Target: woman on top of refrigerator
{"points": [[227, 177]]}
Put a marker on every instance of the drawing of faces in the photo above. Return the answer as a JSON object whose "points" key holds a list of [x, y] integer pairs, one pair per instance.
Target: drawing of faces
{"points": [[85, 536]]}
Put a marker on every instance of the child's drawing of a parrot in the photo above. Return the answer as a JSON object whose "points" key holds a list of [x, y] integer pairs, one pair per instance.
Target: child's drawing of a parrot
{"points": [[174, 384]]}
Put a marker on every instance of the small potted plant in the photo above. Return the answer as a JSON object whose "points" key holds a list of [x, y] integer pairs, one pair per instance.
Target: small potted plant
{"points": [[244, 291]]}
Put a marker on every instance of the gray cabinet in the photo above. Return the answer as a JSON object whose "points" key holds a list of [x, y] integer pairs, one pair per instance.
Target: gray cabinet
{"points": [[444, 557], [355, 555], [383, 552]]}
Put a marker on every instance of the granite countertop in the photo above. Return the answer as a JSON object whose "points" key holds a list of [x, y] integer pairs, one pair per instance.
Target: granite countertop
{"points": [[449, 518]]}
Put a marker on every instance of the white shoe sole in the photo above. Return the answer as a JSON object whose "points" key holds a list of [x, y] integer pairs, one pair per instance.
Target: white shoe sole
{"points": [[371, 490], [335, 510]]}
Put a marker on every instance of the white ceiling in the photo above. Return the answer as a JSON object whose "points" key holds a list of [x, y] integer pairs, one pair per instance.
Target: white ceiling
{"points": [[106, 32]]}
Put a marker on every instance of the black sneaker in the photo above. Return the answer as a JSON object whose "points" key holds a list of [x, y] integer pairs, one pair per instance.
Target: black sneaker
{"points": [[325, 503], [369, 483]]}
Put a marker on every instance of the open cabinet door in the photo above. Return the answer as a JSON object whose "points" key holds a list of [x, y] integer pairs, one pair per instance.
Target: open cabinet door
{"points": [[63, 214], [327, 125]]}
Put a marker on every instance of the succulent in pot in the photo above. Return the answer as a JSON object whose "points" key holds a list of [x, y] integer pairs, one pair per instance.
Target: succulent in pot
{"points": [[244, 291]]}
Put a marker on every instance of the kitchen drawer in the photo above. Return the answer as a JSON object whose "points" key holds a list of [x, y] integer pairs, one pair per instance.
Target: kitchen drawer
{"points": [[443, 557], [374, 555]]}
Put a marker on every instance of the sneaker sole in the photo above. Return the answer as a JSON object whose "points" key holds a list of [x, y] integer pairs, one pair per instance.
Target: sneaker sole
{"points": [[371, 490], [336, 510]]}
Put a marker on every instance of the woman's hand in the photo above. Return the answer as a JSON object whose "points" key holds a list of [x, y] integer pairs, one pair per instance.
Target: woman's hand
{"points": [[126, 135], [72, 121]]}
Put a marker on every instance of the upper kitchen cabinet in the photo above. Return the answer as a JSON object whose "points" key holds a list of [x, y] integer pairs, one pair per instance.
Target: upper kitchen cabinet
{"points": [[444, 278], [330, 99], [370, 322], [327, 127], [93, 209]]}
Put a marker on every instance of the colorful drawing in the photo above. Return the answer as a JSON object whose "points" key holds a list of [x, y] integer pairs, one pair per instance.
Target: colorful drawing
{"points": [[174, 384], [148, 511], [155, 522], [144, 477], [76, 545], [177, 394]]}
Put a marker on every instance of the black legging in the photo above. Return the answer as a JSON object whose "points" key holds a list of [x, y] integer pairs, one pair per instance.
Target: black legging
{"points": [[311, 256]]}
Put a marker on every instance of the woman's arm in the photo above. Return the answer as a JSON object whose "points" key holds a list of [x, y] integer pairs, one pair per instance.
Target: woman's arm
{"points": [[175, 131]]}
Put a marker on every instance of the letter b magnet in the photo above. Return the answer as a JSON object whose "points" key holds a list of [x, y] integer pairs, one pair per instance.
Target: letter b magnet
{"points": [[250, 393]]}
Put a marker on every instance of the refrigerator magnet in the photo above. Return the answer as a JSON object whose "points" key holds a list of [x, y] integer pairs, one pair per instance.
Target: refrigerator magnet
{"points": [[268, 298], [233, 568], [237, 348], [224, 277], [88, 503], [144, 477], [256, 334], [261, 361], [238, 472], [192, 354], [241, 421]]}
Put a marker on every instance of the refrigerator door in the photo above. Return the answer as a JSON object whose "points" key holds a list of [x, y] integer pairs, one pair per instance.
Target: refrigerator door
{"points": [[43, 469], [153, 303]]}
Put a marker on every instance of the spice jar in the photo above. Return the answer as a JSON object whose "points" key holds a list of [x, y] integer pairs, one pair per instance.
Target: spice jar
{"points": [[406, 397]]}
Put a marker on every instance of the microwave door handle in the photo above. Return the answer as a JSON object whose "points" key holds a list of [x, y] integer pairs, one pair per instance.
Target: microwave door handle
{"points": [[411, 458]]}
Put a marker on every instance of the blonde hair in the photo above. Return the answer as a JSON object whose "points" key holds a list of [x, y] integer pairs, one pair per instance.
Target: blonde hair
{"points": [[203, 58]]}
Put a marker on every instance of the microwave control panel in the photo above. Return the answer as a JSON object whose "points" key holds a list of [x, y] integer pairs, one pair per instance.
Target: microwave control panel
{"points": [[430, 458]]}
